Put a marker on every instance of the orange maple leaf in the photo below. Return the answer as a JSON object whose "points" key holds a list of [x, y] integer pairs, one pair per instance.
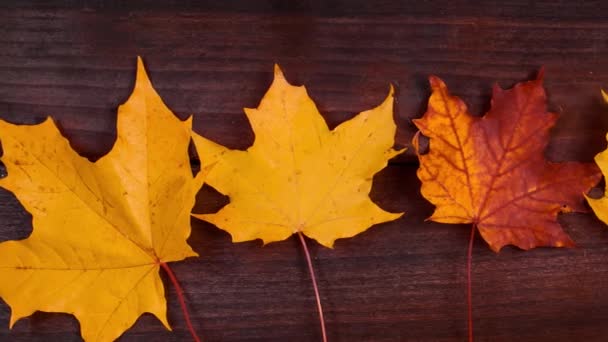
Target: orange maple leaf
{"points": [[490, 170]]}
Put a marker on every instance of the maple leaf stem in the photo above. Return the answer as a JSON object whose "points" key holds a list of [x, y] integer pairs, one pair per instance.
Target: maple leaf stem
{"points": [[182, 301], [469, 293], [314, 285]]}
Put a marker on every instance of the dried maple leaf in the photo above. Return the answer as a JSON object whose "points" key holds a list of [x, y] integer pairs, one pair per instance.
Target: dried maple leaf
{"points": [[299, 176], [101, 230], [600, 206], [490, 170]]}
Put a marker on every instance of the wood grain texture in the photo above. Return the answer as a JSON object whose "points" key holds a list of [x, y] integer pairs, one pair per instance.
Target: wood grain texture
{"points": [[400, 281]]}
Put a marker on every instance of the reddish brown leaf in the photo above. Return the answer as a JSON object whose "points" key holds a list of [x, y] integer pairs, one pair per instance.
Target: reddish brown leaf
{"points": [[490, 170]]}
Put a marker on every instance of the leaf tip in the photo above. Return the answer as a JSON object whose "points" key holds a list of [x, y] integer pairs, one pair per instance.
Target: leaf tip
{"points": [[396, 152], [141, 74], [278, 73], [188, 120], [496, 248], [14, 318], [389, 100], [436, 83], [567, 243], [391, 90], [604, 95], [541, 74], [162, 317], [329, 243]]}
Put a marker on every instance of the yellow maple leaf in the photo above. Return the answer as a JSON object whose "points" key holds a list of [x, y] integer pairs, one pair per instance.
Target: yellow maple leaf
{"points": [[600, 205], [299, 176], [101, 230]]}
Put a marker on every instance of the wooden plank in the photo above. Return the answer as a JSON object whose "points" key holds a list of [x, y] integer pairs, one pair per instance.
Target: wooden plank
{"points": [[77, 65], [399, 281]]}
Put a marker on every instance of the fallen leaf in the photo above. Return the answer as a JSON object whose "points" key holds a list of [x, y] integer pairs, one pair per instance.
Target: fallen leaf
{"points": [[490, 170], [101, 230], [299, 176], [600, 206]]}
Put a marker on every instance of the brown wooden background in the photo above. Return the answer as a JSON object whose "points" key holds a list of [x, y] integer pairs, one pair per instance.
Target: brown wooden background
{"points": [[400, 281]]}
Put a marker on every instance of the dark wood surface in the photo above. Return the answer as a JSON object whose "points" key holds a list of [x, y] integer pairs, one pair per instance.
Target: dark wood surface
{"points": [[400, 281]]}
